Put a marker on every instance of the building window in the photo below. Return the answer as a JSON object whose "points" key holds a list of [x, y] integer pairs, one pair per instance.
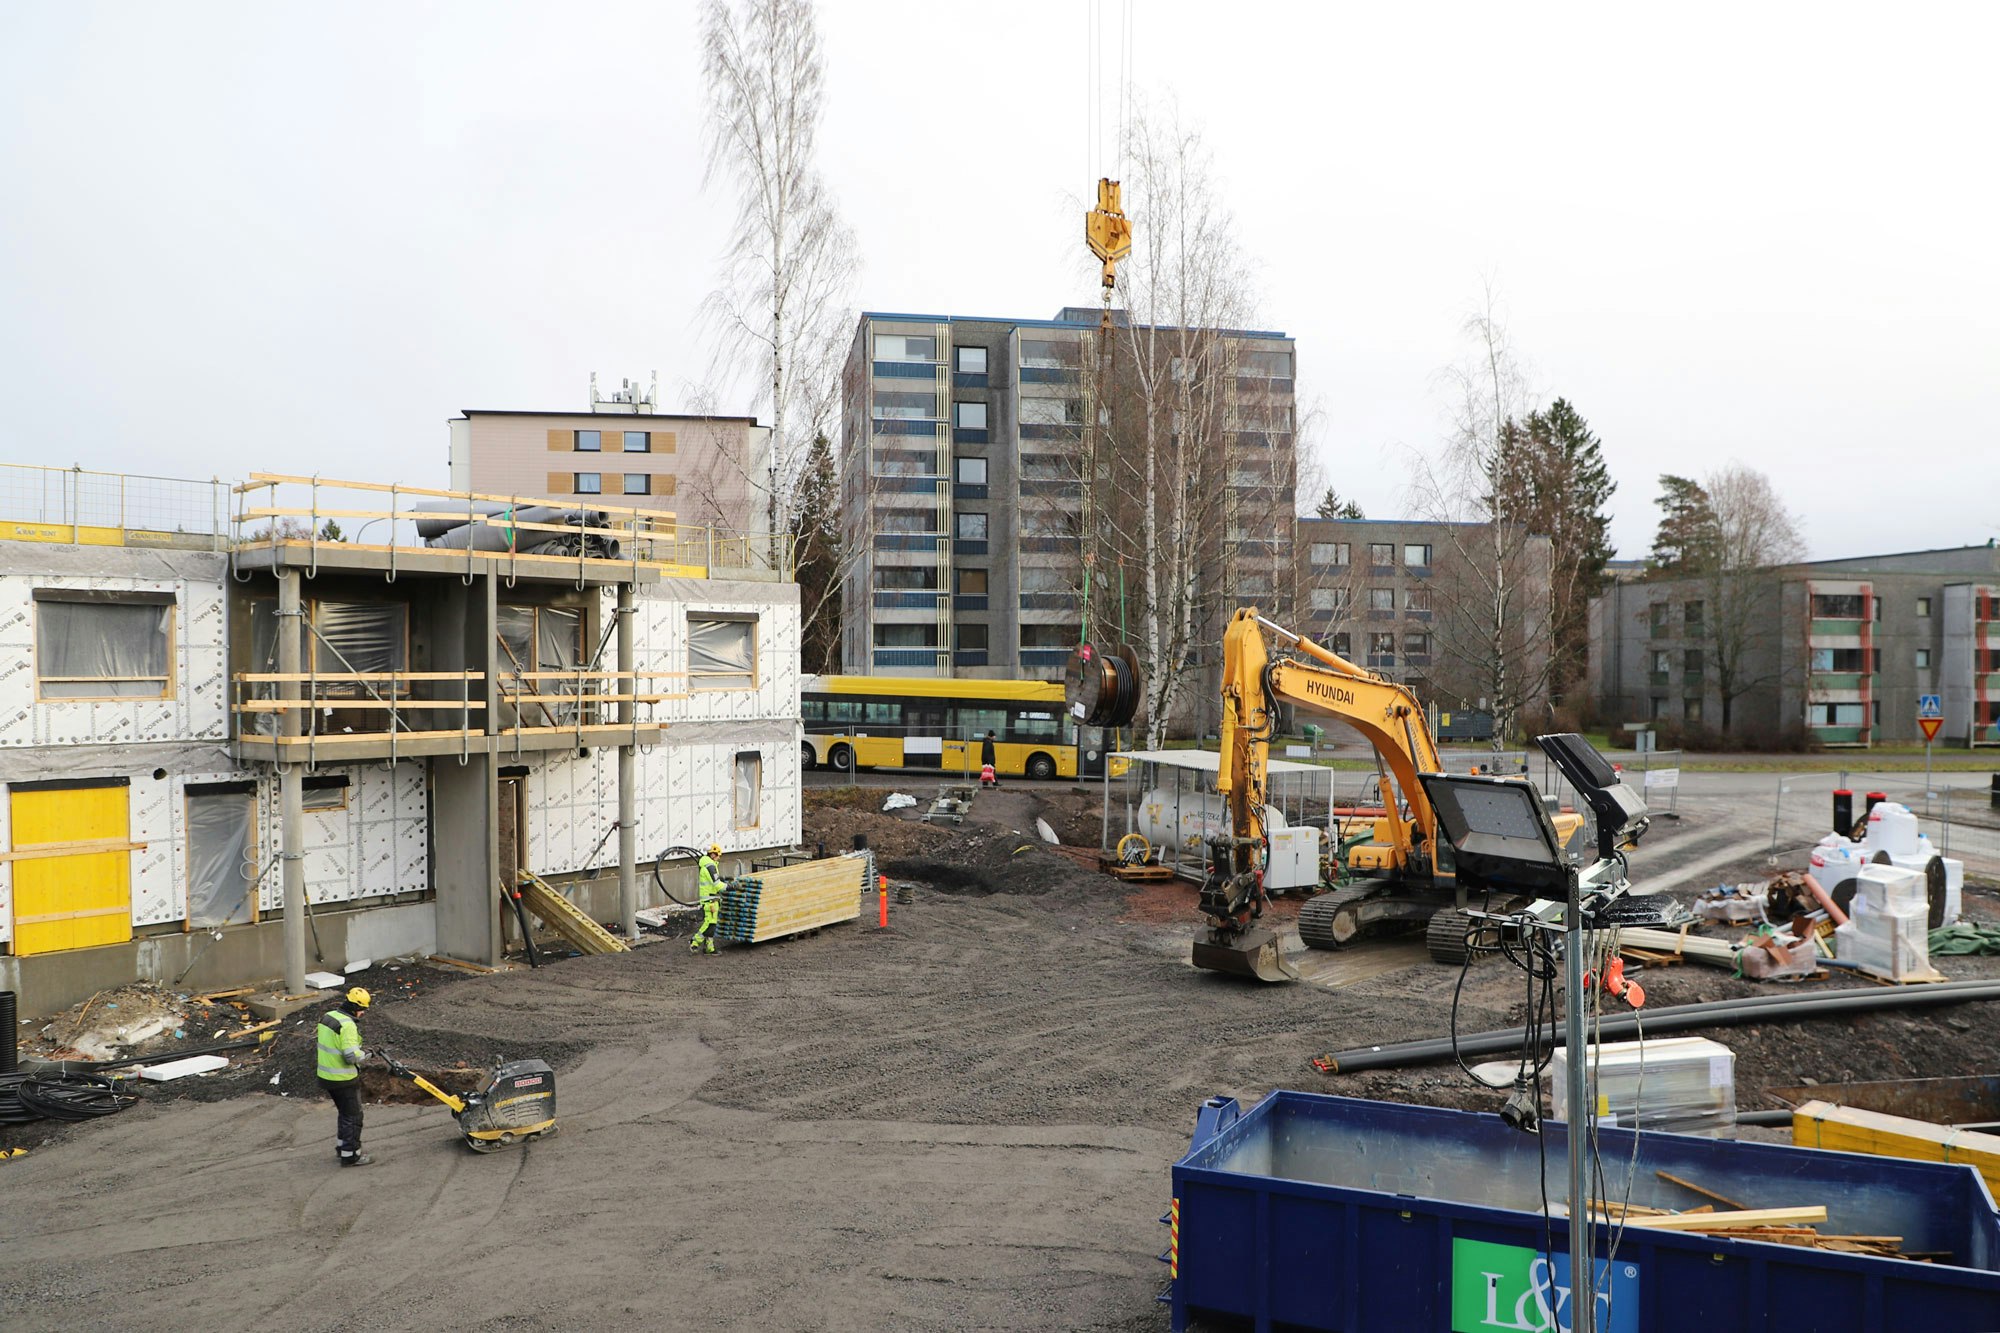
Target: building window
{"points": [[972, 638], [1381, 599], [1836, 606], [589, 441], [905, 405], [970, 527], [1663, 661], [1691, 708], [1382, 554], [904, 347], [1417, 599], [1875, 711], [1834, 715], [589, 483], [1875, 609], [906, 520], [1259, 584], [906, 636], [1659, 708], [722, 654], [1329, 599], [103, 647], [1049, 636], [1923, 607], [638, 483], [1838, 659], [1417, 556], [1343, 644], [638, 442], [1047, 467], [1268, 365], [1051, 411], [1329, 553], [1051, 354], [1923, 659], [1691, 616], [969, 360], [1656, 616], [906, 578], [969, 416], [972, 583], [746, 790], [323, 794], [1417, 645], [1382, 645], [971, 471]]}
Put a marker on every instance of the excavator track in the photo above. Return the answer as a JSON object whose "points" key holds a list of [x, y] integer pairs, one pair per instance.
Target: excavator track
{"points": [[1328, 922], [1445, 936]]}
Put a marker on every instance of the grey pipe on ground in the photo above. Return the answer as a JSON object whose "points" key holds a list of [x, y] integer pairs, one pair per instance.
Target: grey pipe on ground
{"points": [[1677, 1018]]}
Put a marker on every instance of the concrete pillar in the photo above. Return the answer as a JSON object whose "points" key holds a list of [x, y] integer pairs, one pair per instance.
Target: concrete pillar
{"points": [[628, 796], [291, 821]]}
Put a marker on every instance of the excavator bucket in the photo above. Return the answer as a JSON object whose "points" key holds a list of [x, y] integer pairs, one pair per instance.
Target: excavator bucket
{"points": [[1253, 953]]}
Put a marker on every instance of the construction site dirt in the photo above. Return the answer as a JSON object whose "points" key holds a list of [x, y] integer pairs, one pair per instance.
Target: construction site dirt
{"points": [[964, 1121]]}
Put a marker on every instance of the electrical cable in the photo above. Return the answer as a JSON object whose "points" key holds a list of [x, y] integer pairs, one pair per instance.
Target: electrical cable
{"points": [[60, 1096], [12, 1111]]}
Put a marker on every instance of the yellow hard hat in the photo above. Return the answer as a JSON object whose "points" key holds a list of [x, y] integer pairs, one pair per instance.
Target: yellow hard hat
{"points": [[358, 996], [715, 849]]}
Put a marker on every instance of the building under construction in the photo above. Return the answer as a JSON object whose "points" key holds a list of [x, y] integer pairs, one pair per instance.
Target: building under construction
{"points": [[239, 747]]}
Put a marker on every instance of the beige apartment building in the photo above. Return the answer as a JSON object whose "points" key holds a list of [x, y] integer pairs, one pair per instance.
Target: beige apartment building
{"points": [[620, 453]]}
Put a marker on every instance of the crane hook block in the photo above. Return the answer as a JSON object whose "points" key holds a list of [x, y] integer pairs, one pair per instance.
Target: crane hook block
{"points": [[1107, 230]]}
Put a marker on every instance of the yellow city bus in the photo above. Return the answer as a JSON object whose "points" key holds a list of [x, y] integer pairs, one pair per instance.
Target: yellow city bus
{"points": [[937, 725]]}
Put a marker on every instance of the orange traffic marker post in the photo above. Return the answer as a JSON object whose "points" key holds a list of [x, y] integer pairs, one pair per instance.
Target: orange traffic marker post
{"points": [[882, 902]]}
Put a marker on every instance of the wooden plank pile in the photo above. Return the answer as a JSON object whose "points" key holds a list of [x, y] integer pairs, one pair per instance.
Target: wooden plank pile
{"points": [[566, 918], [1779, 1226], [787, 900]]}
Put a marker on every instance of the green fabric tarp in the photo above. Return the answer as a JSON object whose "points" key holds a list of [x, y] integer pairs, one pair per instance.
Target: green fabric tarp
{"points": [[1966, 937]]}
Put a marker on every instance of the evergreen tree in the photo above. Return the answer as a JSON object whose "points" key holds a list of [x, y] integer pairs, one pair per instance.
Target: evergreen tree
{"points": [[1568, 500], [816, 537], [1689, 532], [1332, 506]]}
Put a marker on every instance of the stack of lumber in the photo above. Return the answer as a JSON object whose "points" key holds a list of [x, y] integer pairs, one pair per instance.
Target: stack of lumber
{"points": [[1824, 1125], [566, 918], [1779, 1226], [787, 900]]}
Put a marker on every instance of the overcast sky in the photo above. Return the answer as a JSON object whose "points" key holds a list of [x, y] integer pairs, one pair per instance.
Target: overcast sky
{"points": [[298, 237]]}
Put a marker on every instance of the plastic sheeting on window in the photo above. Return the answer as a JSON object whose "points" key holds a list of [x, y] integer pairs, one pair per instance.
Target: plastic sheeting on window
{"points": [[748, 788], [719, 654], [541, 639], [98, 650], [359, 637], [221, 870]]}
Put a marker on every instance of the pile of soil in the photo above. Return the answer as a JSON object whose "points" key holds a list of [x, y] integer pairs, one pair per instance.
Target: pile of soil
{"points": [[987, 859]]}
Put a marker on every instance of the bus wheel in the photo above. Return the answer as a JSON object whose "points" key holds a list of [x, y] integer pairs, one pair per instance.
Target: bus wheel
{"points": [[806, 759], [841, 758], [1041, 767]]}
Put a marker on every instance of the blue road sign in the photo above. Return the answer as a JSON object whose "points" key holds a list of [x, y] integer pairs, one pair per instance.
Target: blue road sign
{"points": [[1930, 705]]}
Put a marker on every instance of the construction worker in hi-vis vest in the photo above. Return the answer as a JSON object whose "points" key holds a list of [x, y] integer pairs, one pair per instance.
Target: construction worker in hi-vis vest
{"points": [[339, 1054], [711, 900]]}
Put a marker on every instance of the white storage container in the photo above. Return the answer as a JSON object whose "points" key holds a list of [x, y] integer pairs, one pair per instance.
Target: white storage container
{"points": [[1683, 1085]]}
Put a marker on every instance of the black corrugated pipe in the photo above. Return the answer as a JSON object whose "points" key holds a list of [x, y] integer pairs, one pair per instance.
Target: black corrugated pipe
{"points": [[9, 1058], [1677, 1018]]}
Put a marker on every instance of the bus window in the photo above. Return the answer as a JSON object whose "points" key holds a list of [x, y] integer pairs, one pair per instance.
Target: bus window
{"points": [[973, 723], [843, 710], [812, 710], [888, 714], [1035, 726]]}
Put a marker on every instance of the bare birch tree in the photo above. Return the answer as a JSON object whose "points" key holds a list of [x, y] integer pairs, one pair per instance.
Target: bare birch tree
{"points": [[1492, 590], [1753, 532], [782, 306], [1162, 471]]}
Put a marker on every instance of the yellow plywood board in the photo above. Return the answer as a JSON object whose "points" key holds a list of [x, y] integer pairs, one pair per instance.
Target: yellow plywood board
{"points": [[1845, 1129], [81, 899]]}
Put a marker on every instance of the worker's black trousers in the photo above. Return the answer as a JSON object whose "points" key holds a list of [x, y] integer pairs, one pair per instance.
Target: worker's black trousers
{"points": [[347, 1103]]}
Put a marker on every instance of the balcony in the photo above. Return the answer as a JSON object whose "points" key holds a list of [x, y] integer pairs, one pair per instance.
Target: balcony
{"points": [[1661, 629], [969, 657], [1693, 682], [1831, 629], [1050, 375], [909, 541], [1048, 545], [905, 370], [1836, 680], [966, 490], [1659, 680], [929, 658], [971, 435], [1048, 601], [969, 602], [903, 485], [908, 601], [972, 546], [1060, 487], [1044, 659]]}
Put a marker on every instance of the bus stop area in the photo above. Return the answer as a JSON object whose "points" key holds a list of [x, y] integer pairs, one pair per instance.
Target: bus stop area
{"points": [[964, 1119]]}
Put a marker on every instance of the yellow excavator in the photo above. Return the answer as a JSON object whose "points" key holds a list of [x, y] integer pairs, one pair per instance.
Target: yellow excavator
{"points": [[1402, 873]]}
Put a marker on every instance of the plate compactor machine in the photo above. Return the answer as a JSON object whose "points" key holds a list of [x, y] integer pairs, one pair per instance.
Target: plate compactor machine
{"points": [[517, 1102]]}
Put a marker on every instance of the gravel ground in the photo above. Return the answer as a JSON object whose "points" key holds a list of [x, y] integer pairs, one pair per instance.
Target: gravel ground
{"points": [[963, 1122]]}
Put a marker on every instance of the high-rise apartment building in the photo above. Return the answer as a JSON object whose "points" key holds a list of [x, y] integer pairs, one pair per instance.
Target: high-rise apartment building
{"points": [[970, 487]]}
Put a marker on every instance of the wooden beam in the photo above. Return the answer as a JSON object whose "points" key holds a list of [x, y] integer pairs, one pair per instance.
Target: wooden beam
{"points": [[1722, 1199], [1737, 1221]]}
